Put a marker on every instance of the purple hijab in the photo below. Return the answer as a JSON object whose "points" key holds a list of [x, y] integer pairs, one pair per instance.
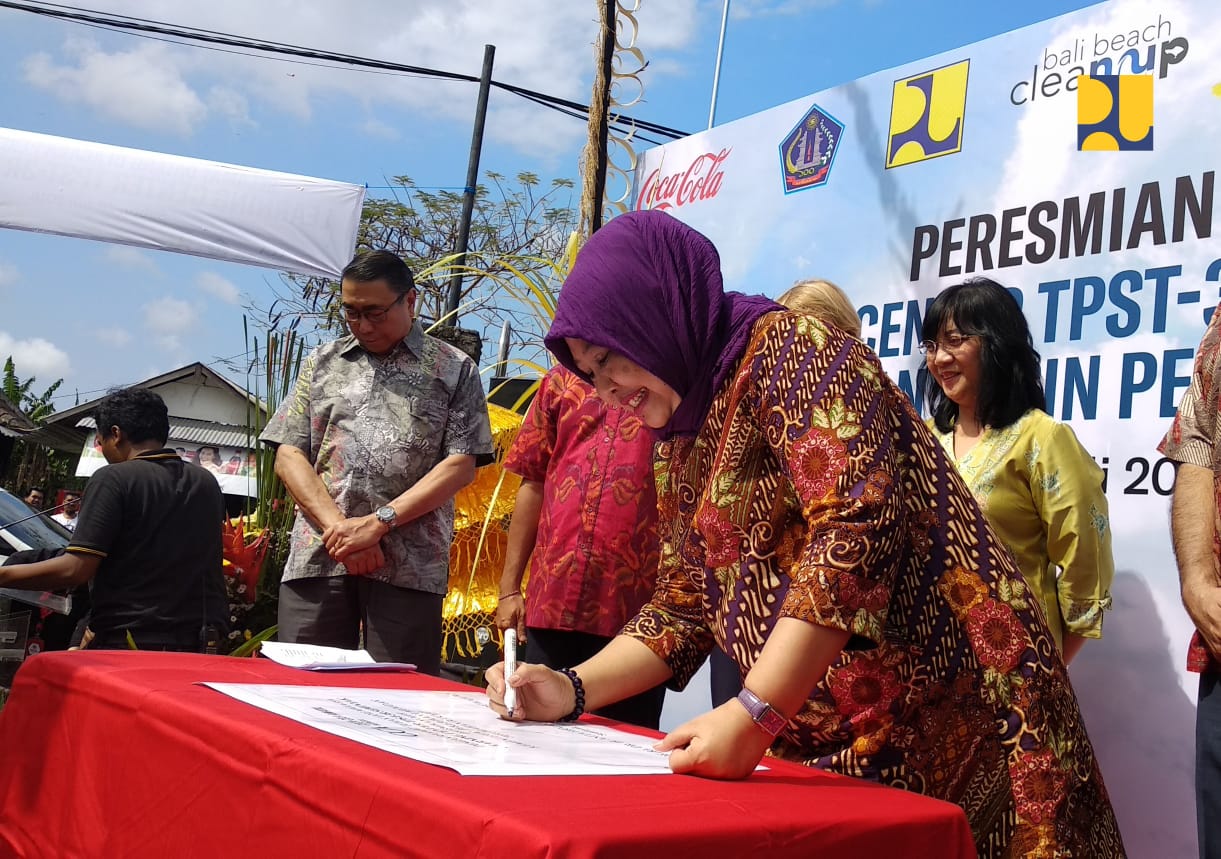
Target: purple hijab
{"points": [[649, 287]]}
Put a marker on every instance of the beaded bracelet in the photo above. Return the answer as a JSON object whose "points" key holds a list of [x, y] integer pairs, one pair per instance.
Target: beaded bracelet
{"points": [[578, 689]]}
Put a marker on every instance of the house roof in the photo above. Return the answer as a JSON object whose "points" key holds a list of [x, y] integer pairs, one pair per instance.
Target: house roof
{"points": [[198, 432], [13, 422], [191, 372], [67, 430]]}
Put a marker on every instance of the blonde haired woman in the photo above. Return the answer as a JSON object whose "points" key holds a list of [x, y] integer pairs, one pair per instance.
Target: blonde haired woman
{"points": [[825, 300]]}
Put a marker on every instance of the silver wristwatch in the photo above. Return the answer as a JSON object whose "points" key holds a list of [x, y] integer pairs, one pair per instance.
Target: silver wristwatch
{"points": [[386, 516]]}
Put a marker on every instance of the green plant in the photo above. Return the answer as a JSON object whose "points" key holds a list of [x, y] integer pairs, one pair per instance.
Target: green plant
{"points": [[250, 645], [30, 463], [273, 511]]}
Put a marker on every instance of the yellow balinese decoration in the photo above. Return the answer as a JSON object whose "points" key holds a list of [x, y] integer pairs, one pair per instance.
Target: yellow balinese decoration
{"points": [[477, 555]]}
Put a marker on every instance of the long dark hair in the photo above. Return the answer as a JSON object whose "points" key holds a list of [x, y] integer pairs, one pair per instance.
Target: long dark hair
{"points": [[1011, 382]]}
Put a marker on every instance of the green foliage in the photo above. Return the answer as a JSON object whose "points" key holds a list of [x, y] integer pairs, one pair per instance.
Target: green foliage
{"points": [[32, 464], [37, 407], [280, 360], [250, 645], [521, 221]]}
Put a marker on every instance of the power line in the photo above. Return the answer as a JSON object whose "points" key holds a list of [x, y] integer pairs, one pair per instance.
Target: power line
{"points": [[257, 56], [143, 26]]}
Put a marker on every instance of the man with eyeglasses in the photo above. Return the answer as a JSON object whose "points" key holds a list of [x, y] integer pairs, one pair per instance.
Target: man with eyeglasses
{"points": [[379, 432]]}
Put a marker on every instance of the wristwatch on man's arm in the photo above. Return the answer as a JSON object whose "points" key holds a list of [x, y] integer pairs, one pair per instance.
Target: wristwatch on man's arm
{"points": [[386, 516]]}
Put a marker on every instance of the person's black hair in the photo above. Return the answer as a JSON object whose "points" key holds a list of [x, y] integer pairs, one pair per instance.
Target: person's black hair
{"points": [[36, 489], [139, 412], [369, 266], [1011, 382]]}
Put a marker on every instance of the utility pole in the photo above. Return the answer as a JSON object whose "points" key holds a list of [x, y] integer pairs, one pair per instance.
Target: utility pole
{"points": [[472, 179], [599, 117], [716, 75]]}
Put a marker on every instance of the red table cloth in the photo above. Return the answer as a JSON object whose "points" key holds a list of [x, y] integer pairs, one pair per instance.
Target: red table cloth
{"points": [[123, 754]]}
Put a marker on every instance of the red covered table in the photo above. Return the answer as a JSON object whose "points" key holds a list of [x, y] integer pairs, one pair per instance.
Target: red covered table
{"points": [[123, 754]]}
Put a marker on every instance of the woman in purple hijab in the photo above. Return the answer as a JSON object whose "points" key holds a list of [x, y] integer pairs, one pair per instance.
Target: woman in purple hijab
{"points": [[813, 528]]}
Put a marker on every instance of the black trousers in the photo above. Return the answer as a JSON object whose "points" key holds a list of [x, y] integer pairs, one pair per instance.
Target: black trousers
{"points": [[399, 624], [561, 648], [1208, 765]]}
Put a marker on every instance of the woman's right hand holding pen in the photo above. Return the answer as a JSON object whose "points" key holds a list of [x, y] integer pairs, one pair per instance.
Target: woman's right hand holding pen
{"points": [[542, 695]]}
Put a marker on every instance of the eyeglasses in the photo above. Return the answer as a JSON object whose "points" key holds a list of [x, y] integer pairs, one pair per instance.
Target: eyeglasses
{"points": [[950, 343], [374, 317]]}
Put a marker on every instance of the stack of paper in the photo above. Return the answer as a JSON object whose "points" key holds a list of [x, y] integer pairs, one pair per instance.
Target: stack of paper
{"points": [[315, 657]]}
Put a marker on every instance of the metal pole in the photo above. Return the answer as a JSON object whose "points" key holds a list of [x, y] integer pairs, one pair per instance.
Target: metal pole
{"points": [[716, 75], [502, 354], [472, 179]]}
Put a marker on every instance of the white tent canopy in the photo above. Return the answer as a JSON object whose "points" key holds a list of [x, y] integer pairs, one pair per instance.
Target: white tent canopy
{"points": [[166, 202]]}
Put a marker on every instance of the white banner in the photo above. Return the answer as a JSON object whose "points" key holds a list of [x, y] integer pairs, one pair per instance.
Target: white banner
{"points": [[170, 203], [235, 468], [899, 184]]}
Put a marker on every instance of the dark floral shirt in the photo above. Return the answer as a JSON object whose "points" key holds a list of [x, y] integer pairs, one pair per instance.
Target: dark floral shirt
{"points": [[372, 427], [814, 491]]}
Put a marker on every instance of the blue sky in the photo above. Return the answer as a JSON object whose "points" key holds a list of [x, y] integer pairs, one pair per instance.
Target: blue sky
{"points": [[101, 315]]}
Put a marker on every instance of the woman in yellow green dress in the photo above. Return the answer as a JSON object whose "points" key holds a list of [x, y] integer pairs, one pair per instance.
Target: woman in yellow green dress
{"points": [[1037, 485]]}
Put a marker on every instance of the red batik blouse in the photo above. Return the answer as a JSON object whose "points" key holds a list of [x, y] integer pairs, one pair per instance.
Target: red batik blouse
{"points": [[595, 557]]}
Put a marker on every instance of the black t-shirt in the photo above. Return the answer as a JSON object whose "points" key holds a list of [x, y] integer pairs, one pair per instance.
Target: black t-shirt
{"points": [[155, 520]]}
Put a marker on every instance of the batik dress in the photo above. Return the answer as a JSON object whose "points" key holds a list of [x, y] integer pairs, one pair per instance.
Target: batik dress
{"points": [[814, 491], [1042, 492]]}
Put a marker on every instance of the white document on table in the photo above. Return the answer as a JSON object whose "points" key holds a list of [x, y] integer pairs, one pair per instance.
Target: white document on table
{"points": [[316, 657], [456, 730]]}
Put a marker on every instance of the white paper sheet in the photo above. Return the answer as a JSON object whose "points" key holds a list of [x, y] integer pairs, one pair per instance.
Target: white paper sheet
{"points": [[455, 730], [316, 657]]}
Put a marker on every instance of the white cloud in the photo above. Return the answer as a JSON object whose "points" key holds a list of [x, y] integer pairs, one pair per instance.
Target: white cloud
{"points": [[130, 258], [168, 319], [231, 104], [35, 357], [541, 45], [218, 287], [142, 87], [113, 336], [8, 274]]}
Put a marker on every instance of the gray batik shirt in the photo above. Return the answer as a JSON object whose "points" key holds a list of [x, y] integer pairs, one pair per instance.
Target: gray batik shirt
{"points": [[372, 427]]}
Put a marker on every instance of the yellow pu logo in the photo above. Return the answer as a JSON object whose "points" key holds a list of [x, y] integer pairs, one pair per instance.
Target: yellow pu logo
{"points": [[926, 115], [1114, 113]]}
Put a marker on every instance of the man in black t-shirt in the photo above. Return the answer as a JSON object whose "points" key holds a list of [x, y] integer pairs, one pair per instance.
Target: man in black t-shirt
{"points": [[148, 537]]}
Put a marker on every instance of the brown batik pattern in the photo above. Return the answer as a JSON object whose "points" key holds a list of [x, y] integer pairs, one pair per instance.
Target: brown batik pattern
{"points": [[814, 491]]}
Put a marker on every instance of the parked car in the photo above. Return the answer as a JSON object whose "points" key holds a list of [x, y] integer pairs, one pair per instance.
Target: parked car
{"points": [[21, 527], [21, 625]]}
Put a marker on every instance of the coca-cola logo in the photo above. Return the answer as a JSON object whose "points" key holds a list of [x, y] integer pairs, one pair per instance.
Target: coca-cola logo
{"points": [[700, 181]]}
